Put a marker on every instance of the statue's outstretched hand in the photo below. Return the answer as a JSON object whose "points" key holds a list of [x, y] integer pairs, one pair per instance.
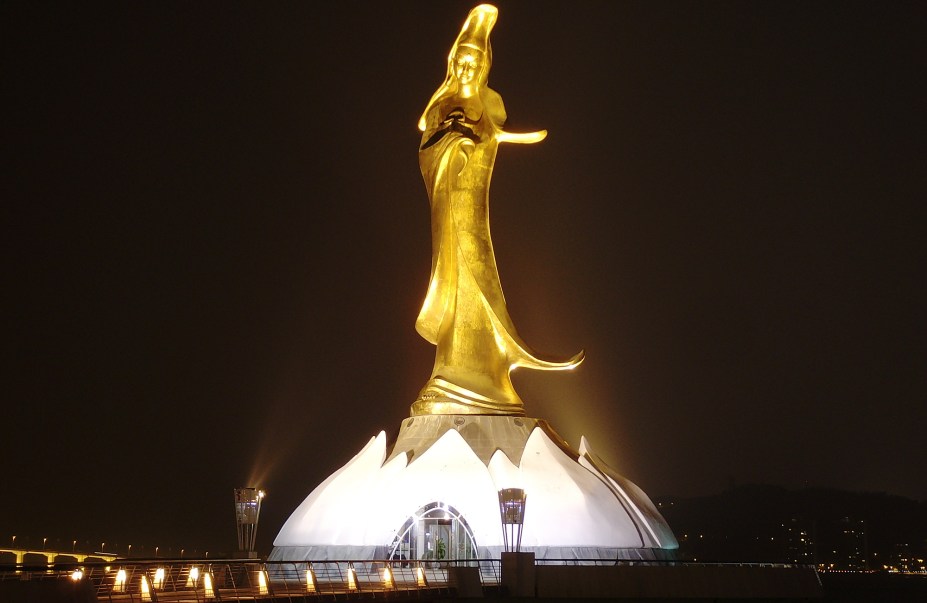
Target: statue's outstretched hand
{"points": [[522, 138]]}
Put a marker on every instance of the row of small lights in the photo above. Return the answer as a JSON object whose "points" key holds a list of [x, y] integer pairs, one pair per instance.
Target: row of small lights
{"points": [[102, 548], [261, 494], [889, 568], [119, 583]]}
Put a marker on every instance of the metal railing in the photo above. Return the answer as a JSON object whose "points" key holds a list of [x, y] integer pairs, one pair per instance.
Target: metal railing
{"points": [[234, 580], [667, 562], [207, 580]]}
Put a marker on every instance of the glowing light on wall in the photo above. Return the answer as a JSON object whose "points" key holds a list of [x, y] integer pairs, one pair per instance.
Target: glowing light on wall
{"points": [[120, 584], [207, 585], [352, 579], [77, 574], [420, 577], [310, 581], [146, 590], [388, 580], [193, 576], [159, 578], [262, 582]]}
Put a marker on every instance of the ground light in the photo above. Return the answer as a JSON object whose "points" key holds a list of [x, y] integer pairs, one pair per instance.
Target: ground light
{"points": [[120, 584]]}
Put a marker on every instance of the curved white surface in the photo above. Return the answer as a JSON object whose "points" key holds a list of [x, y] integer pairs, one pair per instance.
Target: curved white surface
{"points": [[577, 504]]}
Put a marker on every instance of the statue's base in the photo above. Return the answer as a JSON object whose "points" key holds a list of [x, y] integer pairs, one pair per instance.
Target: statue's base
{"points": [[484, 434], [433, 494], [441, 397]]}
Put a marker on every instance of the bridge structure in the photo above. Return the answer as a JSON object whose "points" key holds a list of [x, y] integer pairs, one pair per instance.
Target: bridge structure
{"points": [[57, 556]]}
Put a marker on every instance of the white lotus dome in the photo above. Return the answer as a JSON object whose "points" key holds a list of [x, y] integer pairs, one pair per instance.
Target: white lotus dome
{"points": [[434, 494]]}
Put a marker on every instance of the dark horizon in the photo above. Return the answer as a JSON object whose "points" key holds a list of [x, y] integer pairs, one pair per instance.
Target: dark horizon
{"points": [[218, 242]]}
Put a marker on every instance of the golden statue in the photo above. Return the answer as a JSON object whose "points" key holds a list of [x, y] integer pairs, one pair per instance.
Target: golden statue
{"points": [[464, 313]]}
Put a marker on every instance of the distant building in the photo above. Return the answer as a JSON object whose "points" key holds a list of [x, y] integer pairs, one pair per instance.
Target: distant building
{"points": [[852, 552], [799, 542]]}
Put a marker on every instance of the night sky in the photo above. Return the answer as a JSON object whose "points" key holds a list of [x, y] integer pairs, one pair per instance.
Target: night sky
{"points": [[216, 242]]}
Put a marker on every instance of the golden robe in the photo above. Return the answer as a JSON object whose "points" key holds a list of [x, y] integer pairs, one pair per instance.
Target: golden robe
{"points": [[464, 313]]}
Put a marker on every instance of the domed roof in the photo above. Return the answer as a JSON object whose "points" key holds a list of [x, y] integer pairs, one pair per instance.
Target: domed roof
{"points": [[576, 506]]}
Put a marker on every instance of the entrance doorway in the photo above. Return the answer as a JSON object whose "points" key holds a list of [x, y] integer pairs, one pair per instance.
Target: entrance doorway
{"points": [[435, 532]]}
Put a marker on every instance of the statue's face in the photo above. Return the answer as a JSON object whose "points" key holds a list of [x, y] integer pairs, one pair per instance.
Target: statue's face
{"points": [[467, 65]]}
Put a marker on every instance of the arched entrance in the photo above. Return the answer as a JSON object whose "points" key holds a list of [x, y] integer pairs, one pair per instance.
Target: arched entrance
{"points": [[436, 531]]}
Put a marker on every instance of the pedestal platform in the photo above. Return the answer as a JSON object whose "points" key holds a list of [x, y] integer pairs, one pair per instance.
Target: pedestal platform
{"points": [[433, 494]]}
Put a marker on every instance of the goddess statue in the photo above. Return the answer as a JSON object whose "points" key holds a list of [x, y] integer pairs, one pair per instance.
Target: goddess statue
{"points": [[464, 312]]}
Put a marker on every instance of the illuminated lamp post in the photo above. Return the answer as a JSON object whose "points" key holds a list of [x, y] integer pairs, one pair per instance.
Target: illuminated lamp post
{"points": [[518, 571], [512, 509], [247, 513]]}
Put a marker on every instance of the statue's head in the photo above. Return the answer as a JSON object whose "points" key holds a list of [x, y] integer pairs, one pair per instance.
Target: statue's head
{"points": [[471, 54], [469, 60], [468, 65]]}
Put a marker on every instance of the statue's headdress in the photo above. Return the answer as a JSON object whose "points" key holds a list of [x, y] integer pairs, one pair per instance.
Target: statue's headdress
{"points": [[474, 34]]}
